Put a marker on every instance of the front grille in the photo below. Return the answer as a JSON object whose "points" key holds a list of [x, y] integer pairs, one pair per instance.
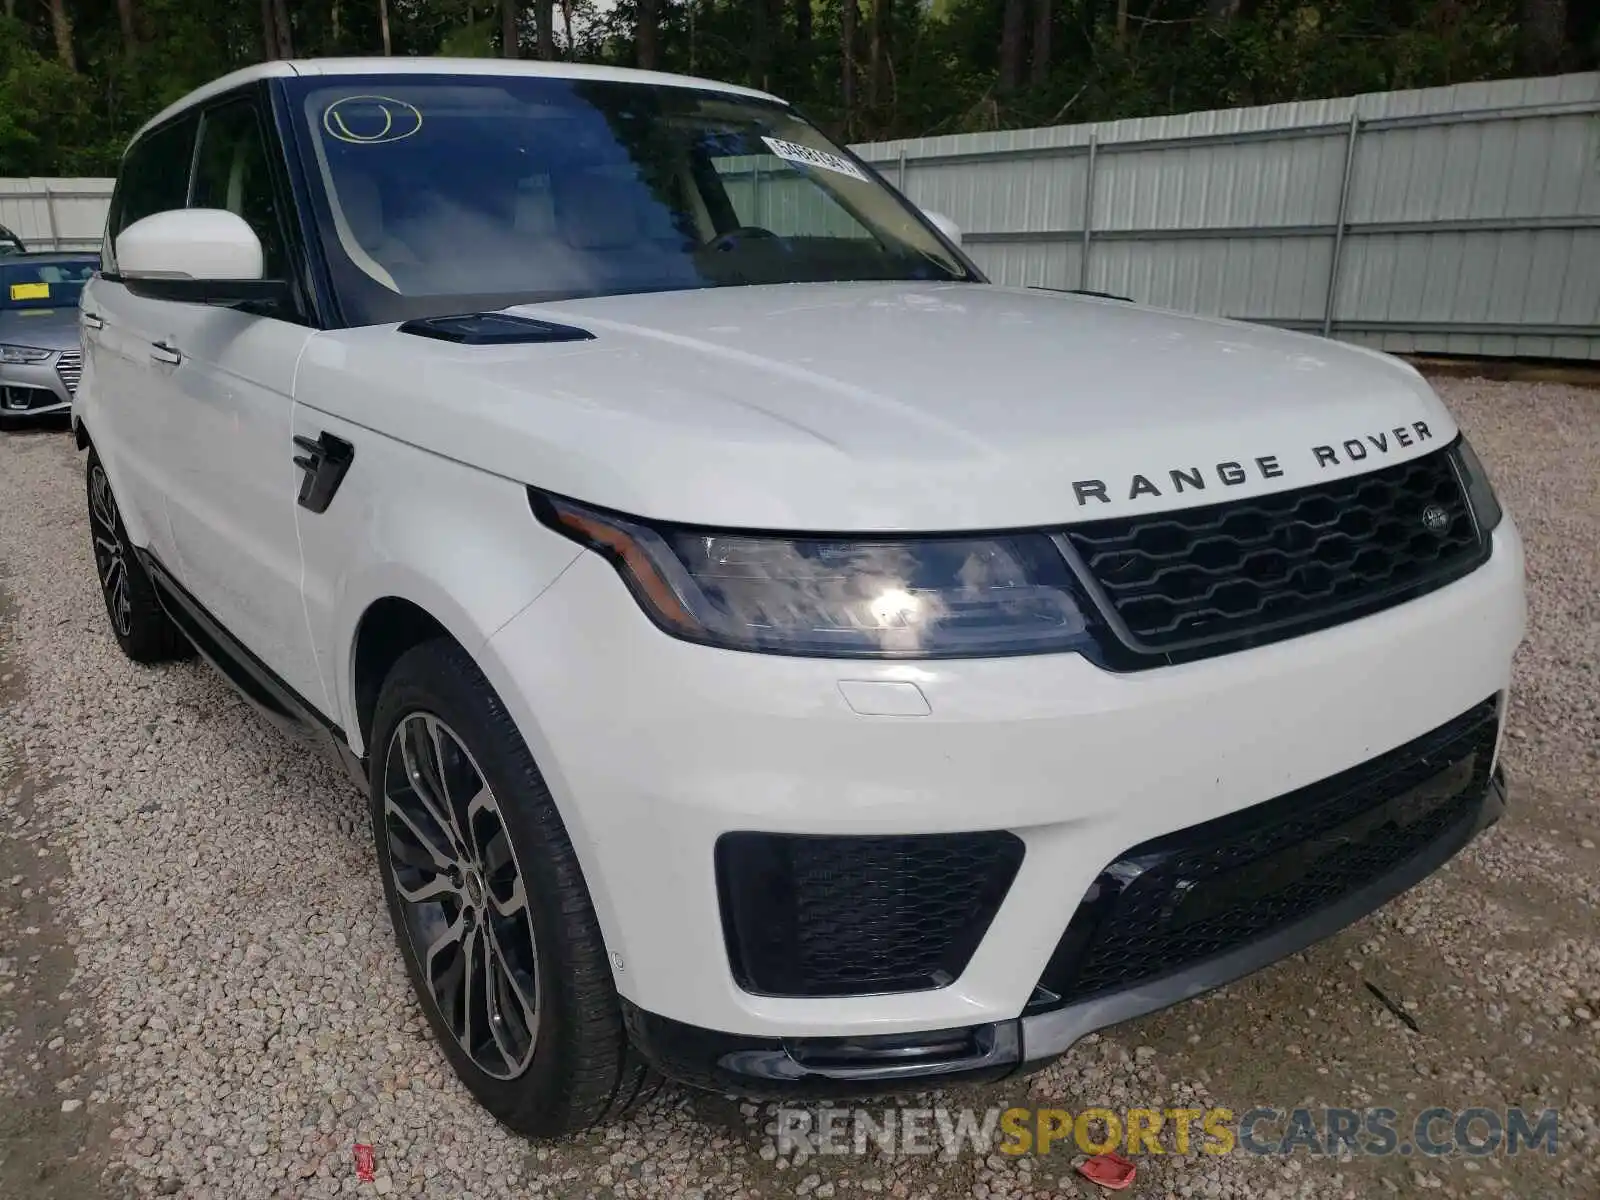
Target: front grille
{"points": [[835, 916], [1208, 889], [1198, 581], [70, 367]]}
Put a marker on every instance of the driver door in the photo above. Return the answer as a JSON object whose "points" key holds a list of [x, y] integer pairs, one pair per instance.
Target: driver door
{"points": [[233, 483]]}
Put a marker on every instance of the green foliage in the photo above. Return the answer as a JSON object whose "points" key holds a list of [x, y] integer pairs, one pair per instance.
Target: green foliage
{"points": [[938, 66]]}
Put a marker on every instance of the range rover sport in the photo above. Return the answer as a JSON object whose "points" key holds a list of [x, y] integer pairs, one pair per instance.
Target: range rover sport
{"points": [[777, 656]]}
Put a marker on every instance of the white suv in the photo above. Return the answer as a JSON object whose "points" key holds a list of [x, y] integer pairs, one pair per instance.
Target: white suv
{"points": [[776, 655]]}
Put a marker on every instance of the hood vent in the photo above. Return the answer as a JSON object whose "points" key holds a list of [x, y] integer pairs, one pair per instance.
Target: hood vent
{"points": [[494, 329]]}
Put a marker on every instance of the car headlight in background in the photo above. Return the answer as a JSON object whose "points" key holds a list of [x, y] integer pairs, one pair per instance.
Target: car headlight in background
{"points": [[17, 355], [1480, 492], [848, 597]]}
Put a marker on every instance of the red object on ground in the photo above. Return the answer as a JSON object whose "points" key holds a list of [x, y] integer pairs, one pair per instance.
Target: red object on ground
{"points": [[1110, 1171], [366, 1164]]}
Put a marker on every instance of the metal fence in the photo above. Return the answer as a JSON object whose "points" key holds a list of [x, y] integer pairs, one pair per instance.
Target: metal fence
{"points": [[56, 214], [1459, 220]]}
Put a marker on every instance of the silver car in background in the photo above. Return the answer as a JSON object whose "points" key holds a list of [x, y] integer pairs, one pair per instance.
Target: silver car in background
{"points": [[41, 353]]}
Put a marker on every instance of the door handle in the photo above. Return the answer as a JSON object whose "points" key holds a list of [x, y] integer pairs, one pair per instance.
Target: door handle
{"points": [[165, 352], [93, 321]]}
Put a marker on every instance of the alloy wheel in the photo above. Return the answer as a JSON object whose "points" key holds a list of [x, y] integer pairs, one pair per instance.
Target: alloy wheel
{"points": [[463, 901], [110, 555]]}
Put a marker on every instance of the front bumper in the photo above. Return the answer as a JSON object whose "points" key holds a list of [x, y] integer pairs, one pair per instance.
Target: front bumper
{"points": [[763, 1068], [41, 388], [654, 749]]}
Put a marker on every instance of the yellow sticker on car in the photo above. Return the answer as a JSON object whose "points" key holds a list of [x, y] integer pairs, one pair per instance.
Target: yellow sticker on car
{"points": [[30, 291]]}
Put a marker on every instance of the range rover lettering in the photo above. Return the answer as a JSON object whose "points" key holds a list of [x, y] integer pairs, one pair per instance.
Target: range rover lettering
{"points": [[778, 657]]}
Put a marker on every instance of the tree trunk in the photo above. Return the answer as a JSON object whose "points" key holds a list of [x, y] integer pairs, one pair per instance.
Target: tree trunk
{"points": [[280, 11], [508, 29], [383, 24], [847, 53], [1122, 23], [566, 24], [802, 25], [61, 26], [881, 15], [1542, 35], [645, 38], [1041, 41], [1012, 23], [334, 14], [1220, 12], [760, 44], [130, 29], [269, 31], [544, 27]]}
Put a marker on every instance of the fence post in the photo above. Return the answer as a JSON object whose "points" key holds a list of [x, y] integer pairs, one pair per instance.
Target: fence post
{"points": [[1340, 222], [50, 215], [1088, 211], [901, 179]]}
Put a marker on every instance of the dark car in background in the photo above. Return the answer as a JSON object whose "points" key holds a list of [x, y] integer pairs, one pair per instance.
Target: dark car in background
{"points": [[40, 351]]}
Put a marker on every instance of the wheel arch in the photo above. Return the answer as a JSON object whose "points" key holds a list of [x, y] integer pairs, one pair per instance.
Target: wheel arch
{"points": [[411, 610]]}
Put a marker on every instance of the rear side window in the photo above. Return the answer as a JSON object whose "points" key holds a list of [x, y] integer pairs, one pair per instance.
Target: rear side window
{"points": [[232, 172], [154, 178]]}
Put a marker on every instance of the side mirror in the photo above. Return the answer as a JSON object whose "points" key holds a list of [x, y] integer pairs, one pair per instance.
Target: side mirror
{"points": [[196, 256], [945, 226]]}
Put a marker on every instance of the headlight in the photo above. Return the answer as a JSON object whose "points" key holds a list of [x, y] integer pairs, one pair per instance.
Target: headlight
{"points": [[23, 354], [1480, 492], [846, 597]]}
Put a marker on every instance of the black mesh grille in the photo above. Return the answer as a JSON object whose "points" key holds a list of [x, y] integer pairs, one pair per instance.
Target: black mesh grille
{"points": [[1250, 571], [1205, 890], [833, 916]]}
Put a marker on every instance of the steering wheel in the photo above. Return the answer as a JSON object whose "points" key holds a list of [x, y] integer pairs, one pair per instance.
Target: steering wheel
{"points": [[727, 240]]}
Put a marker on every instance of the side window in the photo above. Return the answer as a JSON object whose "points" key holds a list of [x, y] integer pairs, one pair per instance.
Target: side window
{"points": [[154, 178], [232, 171]]}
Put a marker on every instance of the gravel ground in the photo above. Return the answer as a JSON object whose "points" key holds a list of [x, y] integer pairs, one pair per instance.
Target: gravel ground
{"points": [[200, 995]]}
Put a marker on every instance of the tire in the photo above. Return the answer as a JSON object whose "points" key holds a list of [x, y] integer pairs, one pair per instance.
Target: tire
{"points": [[545, 964], [138, 622]]}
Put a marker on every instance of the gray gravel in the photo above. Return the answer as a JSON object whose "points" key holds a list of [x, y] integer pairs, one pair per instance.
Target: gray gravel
{"points": [[230, 1015]]}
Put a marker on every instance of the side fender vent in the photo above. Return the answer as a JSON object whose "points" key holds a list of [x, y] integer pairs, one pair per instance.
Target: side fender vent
{"points": [[494, 329]]}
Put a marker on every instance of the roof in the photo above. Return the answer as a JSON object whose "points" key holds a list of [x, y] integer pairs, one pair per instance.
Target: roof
{"points": [[284, 68]]}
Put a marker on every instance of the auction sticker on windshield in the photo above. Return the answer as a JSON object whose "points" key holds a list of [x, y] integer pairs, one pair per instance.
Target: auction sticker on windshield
{"points": [[806, 156]]}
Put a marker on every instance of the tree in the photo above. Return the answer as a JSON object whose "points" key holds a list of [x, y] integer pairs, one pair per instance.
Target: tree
{"points": [[77, 77], [879, 53], [130, 25], [1040, 63], [1543, 29], [848, 14], [61, 28], [649, 29], [1011, 45], [508, 28]]}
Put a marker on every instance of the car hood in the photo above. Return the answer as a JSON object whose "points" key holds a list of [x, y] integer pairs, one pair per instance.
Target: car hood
{"points": [[886, 406], [45, 328]]}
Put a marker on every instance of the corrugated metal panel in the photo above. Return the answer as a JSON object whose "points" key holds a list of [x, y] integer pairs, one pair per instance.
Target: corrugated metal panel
{"points": [[48, 214], [1472, 212]]}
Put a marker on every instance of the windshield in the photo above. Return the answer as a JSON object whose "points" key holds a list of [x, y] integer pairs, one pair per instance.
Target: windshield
{"points": [[54, 284], [442, 194]]}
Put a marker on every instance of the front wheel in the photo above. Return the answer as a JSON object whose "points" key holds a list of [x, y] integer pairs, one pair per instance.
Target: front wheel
{"points": [[489, 906], [138, 622]]}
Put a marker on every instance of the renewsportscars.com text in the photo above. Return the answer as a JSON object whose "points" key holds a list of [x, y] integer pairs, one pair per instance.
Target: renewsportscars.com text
{"points": [[1433, 1132]]}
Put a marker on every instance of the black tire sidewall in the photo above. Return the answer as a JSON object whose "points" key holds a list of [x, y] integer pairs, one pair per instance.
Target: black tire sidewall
{"points": [[151, 636], [439, 678]]}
